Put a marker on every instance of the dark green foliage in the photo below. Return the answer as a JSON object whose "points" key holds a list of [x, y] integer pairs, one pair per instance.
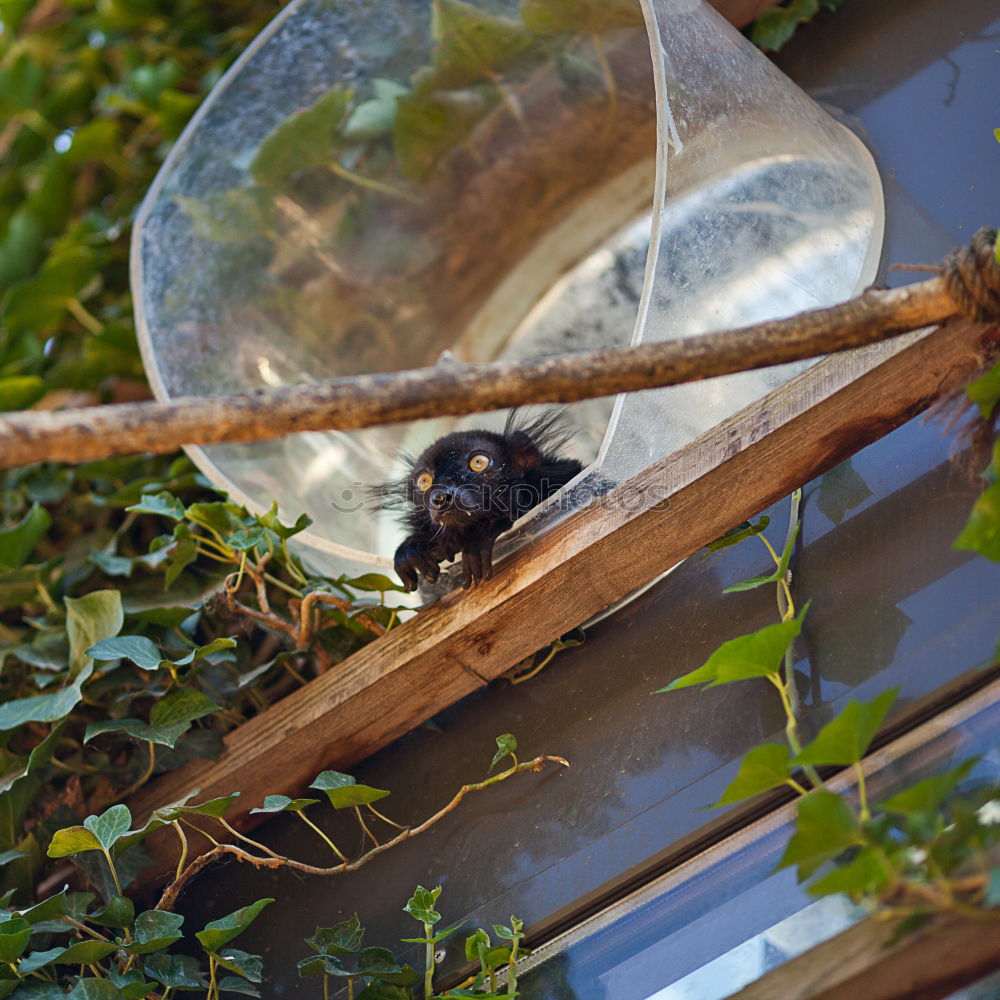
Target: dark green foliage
{"points": [[775, 25], [982, 532]]}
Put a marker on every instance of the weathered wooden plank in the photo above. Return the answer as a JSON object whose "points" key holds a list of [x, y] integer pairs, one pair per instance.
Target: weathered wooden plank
{"points": [[582, 566], [861, 963]]}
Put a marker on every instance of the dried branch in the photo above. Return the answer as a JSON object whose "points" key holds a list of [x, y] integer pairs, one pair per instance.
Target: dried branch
{"points": [[452, 388], [271, 860]]}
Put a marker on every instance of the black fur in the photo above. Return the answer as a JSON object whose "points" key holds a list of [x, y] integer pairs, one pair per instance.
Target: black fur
{"points": [[464, 511]]}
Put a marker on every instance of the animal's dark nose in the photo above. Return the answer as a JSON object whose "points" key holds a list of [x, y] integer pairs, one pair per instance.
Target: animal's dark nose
{"points": [[439, 499]]}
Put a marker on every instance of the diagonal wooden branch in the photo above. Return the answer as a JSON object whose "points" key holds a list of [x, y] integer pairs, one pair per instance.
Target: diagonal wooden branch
{"points": [[454, 389]]}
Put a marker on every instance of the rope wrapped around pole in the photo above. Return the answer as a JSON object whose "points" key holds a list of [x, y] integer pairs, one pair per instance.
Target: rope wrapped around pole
{"points": [[969, 284]]}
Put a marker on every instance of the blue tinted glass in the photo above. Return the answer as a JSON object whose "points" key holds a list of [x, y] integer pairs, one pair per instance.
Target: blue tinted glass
{"points": [[702, 936]]}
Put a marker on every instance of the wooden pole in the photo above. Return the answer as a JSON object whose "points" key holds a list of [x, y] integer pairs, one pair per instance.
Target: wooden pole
{"points": [[80, 435]]}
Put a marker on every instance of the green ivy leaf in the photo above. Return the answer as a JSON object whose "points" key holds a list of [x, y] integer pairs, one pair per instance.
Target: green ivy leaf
{"points": [[175, 971], [223, 642], [233, 216], [212, 807], [746, 530], [218, 933], [111, 564], [472, 45], [340, 940], [154, 931], [845, 739], [865, 874], [372, 582], [141, 651], [247, 538], [14, 935], [824, 828], [40, 303], [420, 905], [429, 126], [17, 543], [235, 984], [18, 392], [375, 118], [182, 705], [779, 572], [164, 503], [322, 965], [380, 963], [304, 139], [985, 390], [763, 768], [840, 491], [72, 840], [98, 615], [476, 945], [94, 989], [218, 515], [342, 791], [163, 735], [434, 938], [776, 25], [131, 985], [48, 909], [94, 140], [982, 531], [506, 746], [928, 795], [119, 912], [43, 707], [21, 787], [242, 963], [271, 521], [578, 17], [183, 552], [754, 655], [513, 933], [282, 803], [112, 824], [80, 953]]}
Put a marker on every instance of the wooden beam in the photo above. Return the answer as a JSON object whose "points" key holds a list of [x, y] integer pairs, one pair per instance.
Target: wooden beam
{"points": [[863, 963], [582, 566]]}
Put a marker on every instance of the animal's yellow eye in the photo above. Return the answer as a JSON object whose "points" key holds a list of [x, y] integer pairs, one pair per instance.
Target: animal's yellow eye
{"points": [[479, 462], [424, 481]]}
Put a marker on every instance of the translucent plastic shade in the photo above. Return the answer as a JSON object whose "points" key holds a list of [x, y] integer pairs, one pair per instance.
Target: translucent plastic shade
{"points": [[375, 184]]}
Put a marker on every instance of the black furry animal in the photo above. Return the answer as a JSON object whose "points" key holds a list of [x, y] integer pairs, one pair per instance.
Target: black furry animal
{"points": [[469, 487]]}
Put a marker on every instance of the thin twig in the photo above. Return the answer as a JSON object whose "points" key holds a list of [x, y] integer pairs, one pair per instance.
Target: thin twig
{"points": [[171, 893]]}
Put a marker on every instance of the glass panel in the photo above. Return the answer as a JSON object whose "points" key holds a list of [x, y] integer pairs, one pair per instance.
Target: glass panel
{"points": [[703, 935]]}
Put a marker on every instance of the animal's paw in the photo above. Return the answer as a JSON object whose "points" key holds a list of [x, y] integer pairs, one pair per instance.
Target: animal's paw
{"points": [[477, 562], [413, 560]]}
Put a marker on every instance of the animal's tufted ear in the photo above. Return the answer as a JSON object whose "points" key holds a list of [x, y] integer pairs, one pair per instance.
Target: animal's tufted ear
{"points": [[524, 454]]}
